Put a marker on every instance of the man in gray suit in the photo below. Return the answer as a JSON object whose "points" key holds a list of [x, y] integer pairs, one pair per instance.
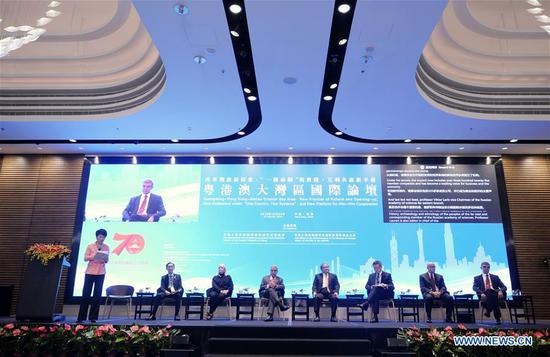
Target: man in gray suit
{"points": [[273, 288]]}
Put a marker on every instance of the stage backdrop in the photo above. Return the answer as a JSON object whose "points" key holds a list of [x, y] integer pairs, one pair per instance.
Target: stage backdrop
{"points": [[298, 216]]}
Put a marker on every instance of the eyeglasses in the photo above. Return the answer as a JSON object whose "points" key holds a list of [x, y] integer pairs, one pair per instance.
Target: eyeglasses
{"points": [[485, 266]]}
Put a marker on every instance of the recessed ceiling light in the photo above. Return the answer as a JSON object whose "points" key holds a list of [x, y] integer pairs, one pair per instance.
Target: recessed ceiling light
{"points": [[333, 85], [514, 140], [72, 140], [174, 140], [329, 160], [247, 148], [546, 28], [375, 148], [343, 41], [327, 97], [181, 9], [369, 160], [235, 8], [199, 59], [246, 90], [251, 160], [461, 148], [172, 160], [241, 133], [533, 2], [234, 33], [290, 160], [448, 160], [338, 133], [80, 148], [39, 148], [344, 8], [504, 148], [134, 160], [535, 10], [418, 148], [332, 148], [409, 160], [547, 149], [290, 148], [543, 18], [252, 98], [212, 160], [96, 160], [407, 140]]}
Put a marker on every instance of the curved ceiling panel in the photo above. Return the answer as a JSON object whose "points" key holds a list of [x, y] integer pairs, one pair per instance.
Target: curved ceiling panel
{"points": [[488, 60], [95, 60]]}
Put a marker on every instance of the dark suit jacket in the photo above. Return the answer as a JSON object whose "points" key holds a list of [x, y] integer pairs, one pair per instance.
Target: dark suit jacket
{"points": [[333, 284], [278, 281], [479, 284], [155, 207], [426, 284], [385, 278], [164, 283]]}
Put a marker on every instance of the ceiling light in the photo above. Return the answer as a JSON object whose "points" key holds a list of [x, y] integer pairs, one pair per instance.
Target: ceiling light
{"points": [[212, 160], [96, 160], [369, 160], [241, 133], [54, 4], [80, 148], [134, 160], [343, 41], [181, 9], [546, 28], [290, 160], [408, 140], [53, 13], [333, 85], [547, 149], [514, 140], [533, 2], [488, 160], [234, 33], [418, 148], [448, 160], [252, 98], [248, 148], [338, 133], [535, 10], [329, 160], [375, 148], [409, 160], [39, 148], [543, 18], [172, 160], [327, 97], [332, 148], [251, 160], [290, 148], [199, 59], [505, 148], [344, 8], [72, 140], [235, 8], [247, 91], [43, 21], [174, 140]]}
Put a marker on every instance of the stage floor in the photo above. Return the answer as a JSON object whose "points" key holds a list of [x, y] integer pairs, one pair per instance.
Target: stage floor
{"points": [[221, 322]]}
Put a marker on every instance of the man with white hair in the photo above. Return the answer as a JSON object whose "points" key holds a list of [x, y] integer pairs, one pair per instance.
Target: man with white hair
{"points": [[222, 288], [272, 287], [433, 287]]}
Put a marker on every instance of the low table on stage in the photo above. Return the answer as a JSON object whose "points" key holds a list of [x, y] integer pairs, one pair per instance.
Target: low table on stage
{"points": [[352, 308], [523, 303], [300, 306], [140, 308], [465, 308], [408, 305], [245, 305], [194, 305]]}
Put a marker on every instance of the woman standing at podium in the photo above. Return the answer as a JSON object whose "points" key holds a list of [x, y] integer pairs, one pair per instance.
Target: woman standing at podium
{"points": [[97, 255]]}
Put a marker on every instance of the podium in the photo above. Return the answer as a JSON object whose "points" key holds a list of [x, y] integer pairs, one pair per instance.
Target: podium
{"points": [[39, 291]]}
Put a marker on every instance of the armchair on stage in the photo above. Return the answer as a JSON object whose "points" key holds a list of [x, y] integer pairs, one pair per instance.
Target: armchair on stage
{"points": [[39, 291]]}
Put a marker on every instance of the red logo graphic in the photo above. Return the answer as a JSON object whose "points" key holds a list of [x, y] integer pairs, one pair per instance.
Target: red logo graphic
{"points": [[133, 243]]}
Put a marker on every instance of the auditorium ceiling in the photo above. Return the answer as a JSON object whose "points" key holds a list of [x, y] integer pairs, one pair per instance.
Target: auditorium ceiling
{"points": [[311, 77]]}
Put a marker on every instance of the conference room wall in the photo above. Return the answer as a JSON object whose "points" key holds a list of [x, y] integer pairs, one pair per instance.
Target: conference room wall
{"points": [[38, 203], [528, 190]]}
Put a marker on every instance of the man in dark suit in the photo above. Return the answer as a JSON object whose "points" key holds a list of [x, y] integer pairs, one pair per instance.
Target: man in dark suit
{"points": [[379, 287], [273, 288], [489, 289], [433, 287], [222, 288], [170, 287], [325, 286], [146, 207]]}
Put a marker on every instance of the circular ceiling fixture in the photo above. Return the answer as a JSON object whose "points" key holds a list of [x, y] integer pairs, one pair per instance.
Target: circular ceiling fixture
{"points": [[199, 59]]}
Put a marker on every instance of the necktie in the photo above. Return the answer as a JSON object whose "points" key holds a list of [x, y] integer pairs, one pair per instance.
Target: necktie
{"points": [[378, 278], [141, 209], [432, 280], [171, 281], [487, 282]]}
